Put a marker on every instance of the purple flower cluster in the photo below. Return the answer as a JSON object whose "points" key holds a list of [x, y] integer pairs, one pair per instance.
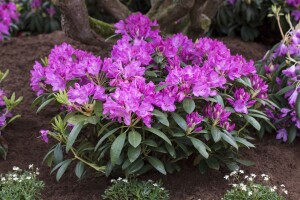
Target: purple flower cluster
{"points": [[295, 13], [124, 81], [8, 14]]}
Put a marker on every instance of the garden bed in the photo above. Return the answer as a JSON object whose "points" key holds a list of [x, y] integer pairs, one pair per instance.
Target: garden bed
{"points": [[280, 161]]}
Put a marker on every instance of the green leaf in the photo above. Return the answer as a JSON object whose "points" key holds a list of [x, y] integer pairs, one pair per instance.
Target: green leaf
{"points": [[150, 143], [134, 138], [216, 133], [44, 105], [229, 139], [76, 119], [285, 90], [244, 162], [297, 106], [157, 164], [98, 108], [160, 87], [244, 142], [133, 153], [73, 135], [109, 133], [171, 150], [189, 105], [213, 163], [292, 134], [200, 146], [219, 100], [79, 169], [58, 154], [180, 121], [253, 122], [161, 117], [159, 134], [63, 168], [116, 148]]}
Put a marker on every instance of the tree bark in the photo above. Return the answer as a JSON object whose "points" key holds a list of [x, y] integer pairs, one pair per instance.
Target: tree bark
{"points": [[201, 16], [75, 22], [115, 8], [173, 13]]}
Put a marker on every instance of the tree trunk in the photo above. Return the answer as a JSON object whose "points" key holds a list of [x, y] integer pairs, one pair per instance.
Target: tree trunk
{"points": [[201, 16], [115, 8], [75, 22]]}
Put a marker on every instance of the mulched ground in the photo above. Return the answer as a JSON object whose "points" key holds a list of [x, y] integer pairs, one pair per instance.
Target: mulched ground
{"points": [[280, 161]]}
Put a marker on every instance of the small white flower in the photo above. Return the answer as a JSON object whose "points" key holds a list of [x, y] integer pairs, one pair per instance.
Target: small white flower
{"points": [[274, 187], [234, 185], [253, 175], [250, 179], [272, 190], [266, 178], [162, 188], [250, 193], [155, 185], [246, 177], [14, 175], [119, 178], [37, 173], [16, 168], [285, 191], [232, 173], [226, 177], [112, 180], [282, 185], [241, 171], [150, 181], [30, 166], [263, 175], [20, 180], [3, 179], [243, 186], [28, 177], [125, 180], [15, 179]]}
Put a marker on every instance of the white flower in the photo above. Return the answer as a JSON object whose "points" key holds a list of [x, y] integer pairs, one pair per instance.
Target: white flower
{"points": [[119, 178], [266, 178], [275, 187], [28, 177], [14, 175], [272, 190], [16, 168], [232, 173], [234, 185], [155, 185], [20, 180], [162, 188], [243, 186], [241, 171], [250, 179], [150, 181], [263, 175], [112, 180], [3, 179], [30, 166], [285, 191], [250, 193], [37, 173], [282, 185], [253, 175], [125, 180], [226, 177], [15, 179]]}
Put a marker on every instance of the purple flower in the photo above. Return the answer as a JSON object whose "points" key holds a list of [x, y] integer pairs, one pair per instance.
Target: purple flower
{"points": [[241, 101], [193, 120], [51, 11], [44, 135], [260, 86], [282, 134], [2, 120], [8, 14], [35, 4], [231, 2], [2, 94]]}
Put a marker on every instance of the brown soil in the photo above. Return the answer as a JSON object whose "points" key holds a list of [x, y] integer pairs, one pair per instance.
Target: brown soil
{"points": [[280, 161]]}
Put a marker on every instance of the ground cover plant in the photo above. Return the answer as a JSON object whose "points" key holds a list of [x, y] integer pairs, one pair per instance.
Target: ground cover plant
{"points": [[134, 189], [21, 184], [6, 106], [252, 186], [281, 66], [8, 16], [152, 103]]}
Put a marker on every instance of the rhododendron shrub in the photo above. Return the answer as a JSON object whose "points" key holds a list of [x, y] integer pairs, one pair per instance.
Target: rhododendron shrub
{"points": [[38, 16], [6, 116], [8, 16], [249, 18], [281, 67], [152, 103]]}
